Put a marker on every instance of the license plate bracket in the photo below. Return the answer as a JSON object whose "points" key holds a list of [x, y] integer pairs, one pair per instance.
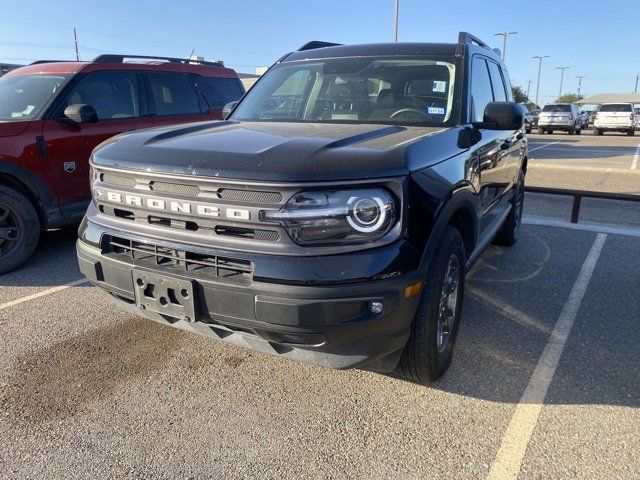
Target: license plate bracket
{"points": [[164, 294]]}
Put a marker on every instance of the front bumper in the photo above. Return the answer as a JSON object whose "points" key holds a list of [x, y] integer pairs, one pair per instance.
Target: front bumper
{"points": [[329, 325]]}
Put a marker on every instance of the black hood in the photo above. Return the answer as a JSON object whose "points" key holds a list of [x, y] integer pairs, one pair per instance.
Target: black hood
{"points": [[270, 151]]}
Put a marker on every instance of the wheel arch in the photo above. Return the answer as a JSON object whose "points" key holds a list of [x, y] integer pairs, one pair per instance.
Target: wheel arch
{"points": [[461, 211], [32, 187]]}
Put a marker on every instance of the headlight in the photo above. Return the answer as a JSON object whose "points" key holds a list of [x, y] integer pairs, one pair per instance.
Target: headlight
{"points": [[341, 216]]}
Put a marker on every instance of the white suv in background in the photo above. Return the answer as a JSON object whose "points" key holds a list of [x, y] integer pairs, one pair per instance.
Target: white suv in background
{"points": [[560, 116], [616, 117]]}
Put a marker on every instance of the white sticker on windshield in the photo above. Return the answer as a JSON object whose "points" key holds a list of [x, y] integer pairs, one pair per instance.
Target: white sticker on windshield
{"points": [[28, 110], [436, 111], [439, 86]]}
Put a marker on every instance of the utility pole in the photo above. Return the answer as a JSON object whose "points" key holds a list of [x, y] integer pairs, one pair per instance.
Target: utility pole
{"points": [[540, 58], [504, 36], [635, 90], [75, 40], [562, 69], [528, 88], [580, 77], [395, 22]]}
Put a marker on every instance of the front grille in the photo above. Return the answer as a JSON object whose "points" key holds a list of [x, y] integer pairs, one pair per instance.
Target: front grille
{"points": [[209, 265], [180, 189], [250, 196], [120, 180]]}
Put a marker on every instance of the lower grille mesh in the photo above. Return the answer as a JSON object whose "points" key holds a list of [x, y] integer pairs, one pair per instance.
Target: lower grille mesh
{"points": [[189, 261]]}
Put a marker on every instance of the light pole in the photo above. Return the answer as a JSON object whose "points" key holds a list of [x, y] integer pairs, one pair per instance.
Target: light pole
{"points": [[540, 58], [562, 69], [395, 22], [580, 77], [504, 36], [528, 88], [635, 90]]}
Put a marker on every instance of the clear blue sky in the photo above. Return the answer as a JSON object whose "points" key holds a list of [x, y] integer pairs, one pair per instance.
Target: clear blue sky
{"points": [[598, 39]]}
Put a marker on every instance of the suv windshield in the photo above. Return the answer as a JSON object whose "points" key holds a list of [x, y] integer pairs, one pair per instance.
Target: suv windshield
{"points": [[22, 97], [418, 91], [557, 108], [618, 107]]}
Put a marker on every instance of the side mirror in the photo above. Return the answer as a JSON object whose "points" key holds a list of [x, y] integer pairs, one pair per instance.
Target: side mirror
{"points": [[226, 111], [501, 116], [81, 113]]}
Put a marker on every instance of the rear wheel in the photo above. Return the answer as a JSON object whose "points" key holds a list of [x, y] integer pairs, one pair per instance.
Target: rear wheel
{"points": [[19, 229], [571, 130], [597, 131], [631, 132], [508, 234], [429, 350]]}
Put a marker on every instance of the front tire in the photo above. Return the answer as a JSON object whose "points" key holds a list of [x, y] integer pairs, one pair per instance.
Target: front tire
{"points": [[19, 229], [429, 350], [631, 132], [508, 234]]}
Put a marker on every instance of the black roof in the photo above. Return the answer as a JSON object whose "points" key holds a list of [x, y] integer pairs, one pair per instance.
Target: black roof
{"points": [[375, 49], [317, 49]]}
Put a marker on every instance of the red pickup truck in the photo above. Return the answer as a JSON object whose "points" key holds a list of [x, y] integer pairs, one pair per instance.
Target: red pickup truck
{"points": [[53, 114]]}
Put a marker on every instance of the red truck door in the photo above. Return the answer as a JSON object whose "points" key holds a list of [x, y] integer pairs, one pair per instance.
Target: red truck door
{"points": [[118, 98]]}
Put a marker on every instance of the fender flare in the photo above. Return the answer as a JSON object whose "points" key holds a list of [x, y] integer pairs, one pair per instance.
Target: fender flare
{"points": [[464, 199], [39, 192]]}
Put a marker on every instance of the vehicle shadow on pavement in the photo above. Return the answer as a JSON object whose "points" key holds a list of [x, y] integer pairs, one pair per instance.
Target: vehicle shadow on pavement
{"points": [[54, 262], [63, 379], [507, 322], [573, 149]]}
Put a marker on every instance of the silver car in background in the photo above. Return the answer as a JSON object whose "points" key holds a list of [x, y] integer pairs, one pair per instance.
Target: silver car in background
{"points": [[560, 116]]}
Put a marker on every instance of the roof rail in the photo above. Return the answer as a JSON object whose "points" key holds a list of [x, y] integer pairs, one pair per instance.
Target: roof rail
{"points": [[312, 45], [37, 62], [110, 58], [465, 37]]}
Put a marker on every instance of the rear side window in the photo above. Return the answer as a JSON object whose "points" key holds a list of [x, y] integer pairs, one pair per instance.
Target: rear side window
{"points": [[554, 108], [616, 107], [499, 91], [172, 94], [113, 95], [481, 93], [219, 91]]}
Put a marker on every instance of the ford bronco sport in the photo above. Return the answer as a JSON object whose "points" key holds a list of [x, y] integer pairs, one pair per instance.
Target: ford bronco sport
{"points": [[331, 218], [52, 115]]}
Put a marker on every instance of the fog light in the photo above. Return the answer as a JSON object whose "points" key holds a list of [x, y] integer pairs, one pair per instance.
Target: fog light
{"points": [[376, 307]]}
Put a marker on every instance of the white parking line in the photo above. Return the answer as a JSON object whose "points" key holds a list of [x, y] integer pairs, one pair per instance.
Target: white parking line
{"points": [[583, 226], [634, 163], [49, 291], [516, 438], [543, 146]]}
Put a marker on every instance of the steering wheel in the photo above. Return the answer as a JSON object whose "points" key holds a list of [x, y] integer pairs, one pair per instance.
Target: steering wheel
{"points": [[403, 111]]}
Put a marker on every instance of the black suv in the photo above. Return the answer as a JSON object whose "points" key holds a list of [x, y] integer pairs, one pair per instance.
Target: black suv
{"points": [[331, 218]]}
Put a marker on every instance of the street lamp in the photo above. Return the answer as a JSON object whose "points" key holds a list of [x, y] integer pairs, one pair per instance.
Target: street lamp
{"points": [[635, 90], [562, 69], [504, 36], [395, 22], [540, 58], [580, 77]]}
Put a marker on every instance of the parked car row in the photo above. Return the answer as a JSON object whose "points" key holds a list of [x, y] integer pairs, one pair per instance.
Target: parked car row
{"points": [[610, 117]]}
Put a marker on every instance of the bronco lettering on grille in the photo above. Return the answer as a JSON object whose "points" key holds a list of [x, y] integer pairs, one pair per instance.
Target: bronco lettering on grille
{"points": [[168, 205]]}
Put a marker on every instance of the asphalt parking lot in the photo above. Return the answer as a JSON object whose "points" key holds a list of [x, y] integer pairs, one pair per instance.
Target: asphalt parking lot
{"points": [[544, 382]]}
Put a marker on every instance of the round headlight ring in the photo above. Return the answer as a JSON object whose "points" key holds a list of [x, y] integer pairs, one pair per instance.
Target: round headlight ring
{"points": [[364, 226]]}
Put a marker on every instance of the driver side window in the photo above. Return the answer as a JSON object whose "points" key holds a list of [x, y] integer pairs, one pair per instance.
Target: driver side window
{"points": [[481, 93], [113, 95]]}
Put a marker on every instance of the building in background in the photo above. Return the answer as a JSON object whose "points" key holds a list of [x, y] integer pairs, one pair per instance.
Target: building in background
{"points": [[248, 79]]}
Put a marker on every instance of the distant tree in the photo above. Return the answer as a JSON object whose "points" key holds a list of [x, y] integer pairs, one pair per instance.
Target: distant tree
{"points": [[568, 98], [518, 95]]}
